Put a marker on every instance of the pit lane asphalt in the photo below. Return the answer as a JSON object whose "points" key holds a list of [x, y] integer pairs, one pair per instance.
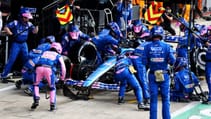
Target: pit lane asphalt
{"points": [[16, 105]]}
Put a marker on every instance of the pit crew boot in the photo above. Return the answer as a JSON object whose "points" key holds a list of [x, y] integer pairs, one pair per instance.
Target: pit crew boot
{"points": [[146, 102], [121, 100], [52, 107], [4, 80], [35, 104], [208, 102], [142, 106], [28, 91], [184, 100], [18, 84]]}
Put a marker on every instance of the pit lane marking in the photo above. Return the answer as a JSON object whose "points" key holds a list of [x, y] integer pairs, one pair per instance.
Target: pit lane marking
{"points": [[184, 109], [7, 88]]}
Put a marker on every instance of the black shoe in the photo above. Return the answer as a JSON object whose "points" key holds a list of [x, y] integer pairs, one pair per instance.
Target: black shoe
{"points": [[34, 105], [147, 107], [142, 106], [208, 102], [184, 100], [195, 99], [52, 107], [121, 100], [18, 84], [28, 91], [146, 102], [4, 80]]}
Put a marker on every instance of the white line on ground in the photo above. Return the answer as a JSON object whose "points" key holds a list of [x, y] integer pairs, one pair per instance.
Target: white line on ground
{"points": [[187, 107], [7, 88]]}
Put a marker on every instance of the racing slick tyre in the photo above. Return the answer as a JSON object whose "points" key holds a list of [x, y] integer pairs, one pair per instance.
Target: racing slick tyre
{"points": [[199, 59], [83, 51], [67, 63], [81, 71]]}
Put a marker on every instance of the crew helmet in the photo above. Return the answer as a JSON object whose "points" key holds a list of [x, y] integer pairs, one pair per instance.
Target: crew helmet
{"points": [[50, 39], [73, 31], [157, 31], [137, 25], [180, 62], [24, 12]]}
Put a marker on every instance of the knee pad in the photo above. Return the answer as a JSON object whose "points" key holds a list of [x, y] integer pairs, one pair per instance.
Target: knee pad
{"points": [[35, 85], [52, 88], [36, 97]]}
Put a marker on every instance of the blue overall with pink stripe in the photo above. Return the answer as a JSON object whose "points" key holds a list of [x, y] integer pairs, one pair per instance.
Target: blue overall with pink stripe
{"points": [[46, 69]]}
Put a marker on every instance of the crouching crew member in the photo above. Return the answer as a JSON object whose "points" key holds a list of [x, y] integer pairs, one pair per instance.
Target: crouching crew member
{"points": [[184, 82], [124, 74], [46, 68]]}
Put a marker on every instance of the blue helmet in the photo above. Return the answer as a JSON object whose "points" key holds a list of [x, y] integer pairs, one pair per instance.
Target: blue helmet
{"points": [[157, 31], [50, 39], [180, 62], [137, 22], [73, 31], [24, 12], [73, 28], [137, 26], [113, 26]]}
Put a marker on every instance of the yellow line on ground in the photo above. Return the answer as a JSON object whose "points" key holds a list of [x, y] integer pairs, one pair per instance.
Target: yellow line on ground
{"points": [[131, 101]]}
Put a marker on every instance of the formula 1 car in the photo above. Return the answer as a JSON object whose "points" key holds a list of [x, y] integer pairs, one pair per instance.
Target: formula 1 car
{"points": [[86, 75]]}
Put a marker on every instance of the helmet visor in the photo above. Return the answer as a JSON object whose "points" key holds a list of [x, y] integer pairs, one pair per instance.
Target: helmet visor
{"points": [[27, 15], [137, 29]]}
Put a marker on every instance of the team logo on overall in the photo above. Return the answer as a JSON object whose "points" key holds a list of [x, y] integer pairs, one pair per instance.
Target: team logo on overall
{"points": [[157, 59], [156, 50]]}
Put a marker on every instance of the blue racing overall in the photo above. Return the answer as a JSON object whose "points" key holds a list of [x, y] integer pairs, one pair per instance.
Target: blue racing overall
{"points": [[125, 76], [141, 70], [19, 45], [157, 55]]}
